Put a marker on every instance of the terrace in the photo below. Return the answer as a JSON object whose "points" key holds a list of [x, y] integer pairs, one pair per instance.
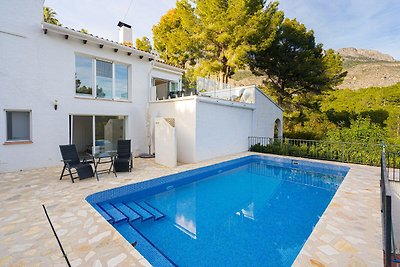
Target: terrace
{"points": [[348, 233]]}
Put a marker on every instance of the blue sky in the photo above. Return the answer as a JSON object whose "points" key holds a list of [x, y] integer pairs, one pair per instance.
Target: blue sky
{"points": [[370, 24]]}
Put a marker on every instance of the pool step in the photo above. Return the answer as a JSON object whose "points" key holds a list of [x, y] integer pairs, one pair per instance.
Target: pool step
{"points": [[131, 211], [155, 212], [103, 213], [139, 210], [114, 213], [128, 212]]}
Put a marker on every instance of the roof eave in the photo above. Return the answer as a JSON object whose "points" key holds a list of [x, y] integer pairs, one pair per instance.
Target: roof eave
{"points": [[168, 67], [94, 39]]}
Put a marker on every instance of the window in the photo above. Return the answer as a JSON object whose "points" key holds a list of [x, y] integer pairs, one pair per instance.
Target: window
{"points": [[83, 75], [121, 81], [18, 125], [104, 79], [109, 79], [173, 87]]}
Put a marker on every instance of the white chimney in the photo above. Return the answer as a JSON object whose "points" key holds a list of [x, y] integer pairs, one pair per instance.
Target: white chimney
{"points": [[125, 33]]}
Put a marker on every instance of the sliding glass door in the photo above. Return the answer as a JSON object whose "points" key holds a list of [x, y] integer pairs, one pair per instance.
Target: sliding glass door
{"points": [[82, 133], [108, 130], [96, 134]]}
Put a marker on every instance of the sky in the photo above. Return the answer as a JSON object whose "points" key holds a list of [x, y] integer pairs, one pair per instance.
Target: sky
{"points": [[369, 24]]}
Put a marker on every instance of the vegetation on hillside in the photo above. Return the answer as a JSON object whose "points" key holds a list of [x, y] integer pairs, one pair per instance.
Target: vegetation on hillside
{"points": [[367, 115]]}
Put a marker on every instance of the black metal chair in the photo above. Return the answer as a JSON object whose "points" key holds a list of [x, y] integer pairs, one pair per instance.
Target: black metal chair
{"points": [[123, 161], [71, 160]]}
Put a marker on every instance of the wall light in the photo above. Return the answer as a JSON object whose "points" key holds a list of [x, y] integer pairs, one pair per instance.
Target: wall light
{"points": [[55, 104]]}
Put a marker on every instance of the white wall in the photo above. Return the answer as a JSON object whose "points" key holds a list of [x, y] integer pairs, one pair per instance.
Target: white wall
{"points": [[206, 128], [38, 68], [165, 75], [220, 129], [264, 116], [184, 112], [165, 142]]}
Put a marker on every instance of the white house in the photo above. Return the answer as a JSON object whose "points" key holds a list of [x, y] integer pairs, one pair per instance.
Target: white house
{"points": [[60, 86]]}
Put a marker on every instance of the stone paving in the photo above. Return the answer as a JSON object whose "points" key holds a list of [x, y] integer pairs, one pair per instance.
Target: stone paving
{"points": [[348, 234]]}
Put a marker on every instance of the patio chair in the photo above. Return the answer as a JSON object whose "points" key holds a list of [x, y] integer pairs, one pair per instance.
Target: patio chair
{"points": [[71, 160], [123, 161]]}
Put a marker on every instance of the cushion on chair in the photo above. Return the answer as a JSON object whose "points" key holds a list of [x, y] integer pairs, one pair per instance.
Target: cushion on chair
{"points": [[121, 165], [84, 171]]}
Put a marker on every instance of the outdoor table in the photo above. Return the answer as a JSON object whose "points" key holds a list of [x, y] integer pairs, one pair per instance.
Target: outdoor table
{"points": [[106, 157]]}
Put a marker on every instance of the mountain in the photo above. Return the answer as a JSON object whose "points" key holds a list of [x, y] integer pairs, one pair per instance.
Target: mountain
{"points": [[351, 53], [367, 68]]}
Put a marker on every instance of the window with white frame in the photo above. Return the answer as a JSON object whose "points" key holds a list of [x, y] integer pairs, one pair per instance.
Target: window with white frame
{"points": [[109, 79], [18, 125], [83, 75]]}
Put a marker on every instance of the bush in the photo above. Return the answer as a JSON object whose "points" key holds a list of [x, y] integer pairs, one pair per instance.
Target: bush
{"points": [[368, 154]]}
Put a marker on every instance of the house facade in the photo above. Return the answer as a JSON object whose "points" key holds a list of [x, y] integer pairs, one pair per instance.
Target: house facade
{"points": [[61, 86]]}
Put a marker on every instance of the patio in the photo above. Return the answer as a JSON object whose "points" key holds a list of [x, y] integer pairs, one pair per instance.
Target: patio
{"points": [[348, 234]]}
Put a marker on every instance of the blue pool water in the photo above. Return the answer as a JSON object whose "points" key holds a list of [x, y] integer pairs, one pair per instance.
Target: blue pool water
{"points": [[254, 211]]}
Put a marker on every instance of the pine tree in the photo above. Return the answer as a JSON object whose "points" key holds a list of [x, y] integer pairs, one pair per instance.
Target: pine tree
{"points": [[297, 66], [215, 36]]}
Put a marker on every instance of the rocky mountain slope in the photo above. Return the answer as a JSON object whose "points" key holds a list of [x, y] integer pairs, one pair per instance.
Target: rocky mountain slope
{"points": [[355, 54], [368, 68], [365, 68]]}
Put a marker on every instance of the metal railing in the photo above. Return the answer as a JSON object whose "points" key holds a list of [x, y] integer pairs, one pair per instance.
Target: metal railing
{"points": [[359, 153], [386, 208], [393, 166], [330, 183]]}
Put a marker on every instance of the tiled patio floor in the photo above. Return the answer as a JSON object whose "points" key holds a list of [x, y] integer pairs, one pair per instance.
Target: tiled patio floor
{"points": [[348, 233]]}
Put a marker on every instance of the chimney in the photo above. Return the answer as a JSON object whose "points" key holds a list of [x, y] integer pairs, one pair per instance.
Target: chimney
{"points": [[125, 33]]}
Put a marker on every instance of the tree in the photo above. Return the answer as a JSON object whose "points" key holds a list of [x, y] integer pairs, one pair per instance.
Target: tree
{"points": [[297, 66], [143, 44], [215, 36], [49, 16], [361, 130], [175, 35]]}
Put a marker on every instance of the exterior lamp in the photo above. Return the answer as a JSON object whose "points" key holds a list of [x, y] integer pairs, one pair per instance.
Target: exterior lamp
{"points": [[55, 104]]}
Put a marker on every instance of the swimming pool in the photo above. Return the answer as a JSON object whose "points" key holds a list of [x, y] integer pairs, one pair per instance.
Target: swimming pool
{"points": [[252, 211]]}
